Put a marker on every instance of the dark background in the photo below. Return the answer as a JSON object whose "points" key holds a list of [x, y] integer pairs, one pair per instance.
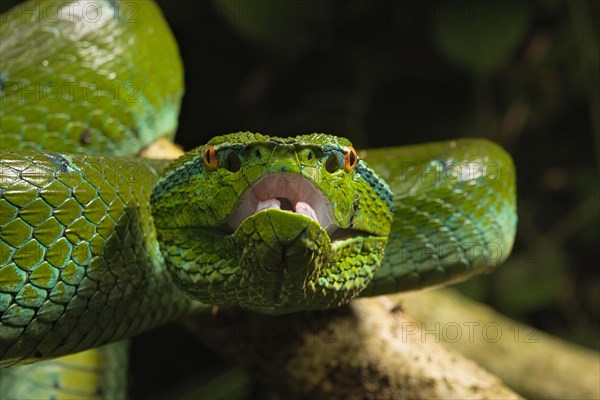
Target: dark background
{"points": [[388, 73]]}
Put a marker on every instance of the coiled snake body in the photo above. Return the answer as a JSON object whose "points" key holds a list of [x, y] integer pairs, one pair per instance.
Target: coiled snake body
{"points": [[97, 245]]}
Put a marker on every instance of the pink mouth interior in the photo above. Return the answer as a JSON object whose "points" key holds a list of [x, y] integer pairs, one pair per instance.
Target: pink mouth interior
{"points": [[300, 207], [287, 192]]}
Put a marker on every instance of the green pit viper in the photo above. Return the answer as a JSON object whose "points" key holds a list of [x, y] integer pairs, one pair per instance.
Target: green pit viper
{"points": [[97, 245]]}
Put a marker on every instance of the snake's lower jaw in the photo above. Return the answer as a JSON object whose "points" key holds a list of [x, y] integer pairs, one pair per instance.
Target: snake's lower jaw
{"points": [[286, 263]]}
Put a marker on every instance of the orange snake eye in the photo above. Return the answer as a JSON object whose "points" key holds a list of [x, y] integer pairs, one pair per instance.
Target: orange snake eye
{"points": [[210, 158], [350, 159]]}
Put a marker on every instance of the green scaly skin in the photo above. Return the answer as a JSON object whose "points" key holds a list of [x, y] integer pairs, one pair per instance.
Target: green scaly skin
{"points": [[70, 82], [94, 249], [80, 259], [455, 212]]}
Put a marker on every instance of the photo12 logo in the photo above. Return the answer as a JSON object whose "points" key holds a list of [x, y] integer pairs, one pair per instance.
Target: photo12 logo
{"points": [[450, 171], [86, 11], [467, 331], [52, 92]]}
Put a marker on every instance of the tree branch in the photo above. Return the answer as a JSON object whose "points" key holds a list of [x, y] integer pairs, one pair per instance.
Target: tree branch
{"points": [[534, 363], [361, 351]]}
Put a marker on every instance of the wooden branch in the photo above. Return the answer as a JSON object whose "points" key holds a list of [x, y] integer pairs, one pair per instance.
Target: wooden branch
{"points": [[162, 149], [533, 363], [361, 351]]}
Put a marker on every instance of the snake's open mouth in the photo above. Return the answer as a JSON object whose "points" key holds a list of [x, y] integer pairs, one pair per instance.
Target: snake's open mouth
{"points": [[288, 192]]}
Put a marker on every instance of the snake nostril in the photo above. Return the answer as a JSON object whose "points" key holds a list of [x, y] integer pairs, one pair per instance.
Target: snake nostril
{"points": [[233, 162]]}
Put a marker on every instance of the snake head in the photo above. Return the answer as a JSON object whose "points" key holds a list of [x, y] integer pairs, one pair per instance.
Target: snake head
{"points": [[270, 224]]}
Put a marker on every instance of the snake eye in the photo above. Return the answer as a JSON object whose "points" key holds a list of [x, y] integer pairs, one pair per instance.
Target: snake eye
{"points": [[210, 158], [350, 159]]}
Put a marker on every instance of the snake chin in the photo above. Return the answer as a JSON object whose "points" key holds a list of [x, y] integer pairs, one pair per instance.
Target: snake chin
{"points": [[287, 192]]}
